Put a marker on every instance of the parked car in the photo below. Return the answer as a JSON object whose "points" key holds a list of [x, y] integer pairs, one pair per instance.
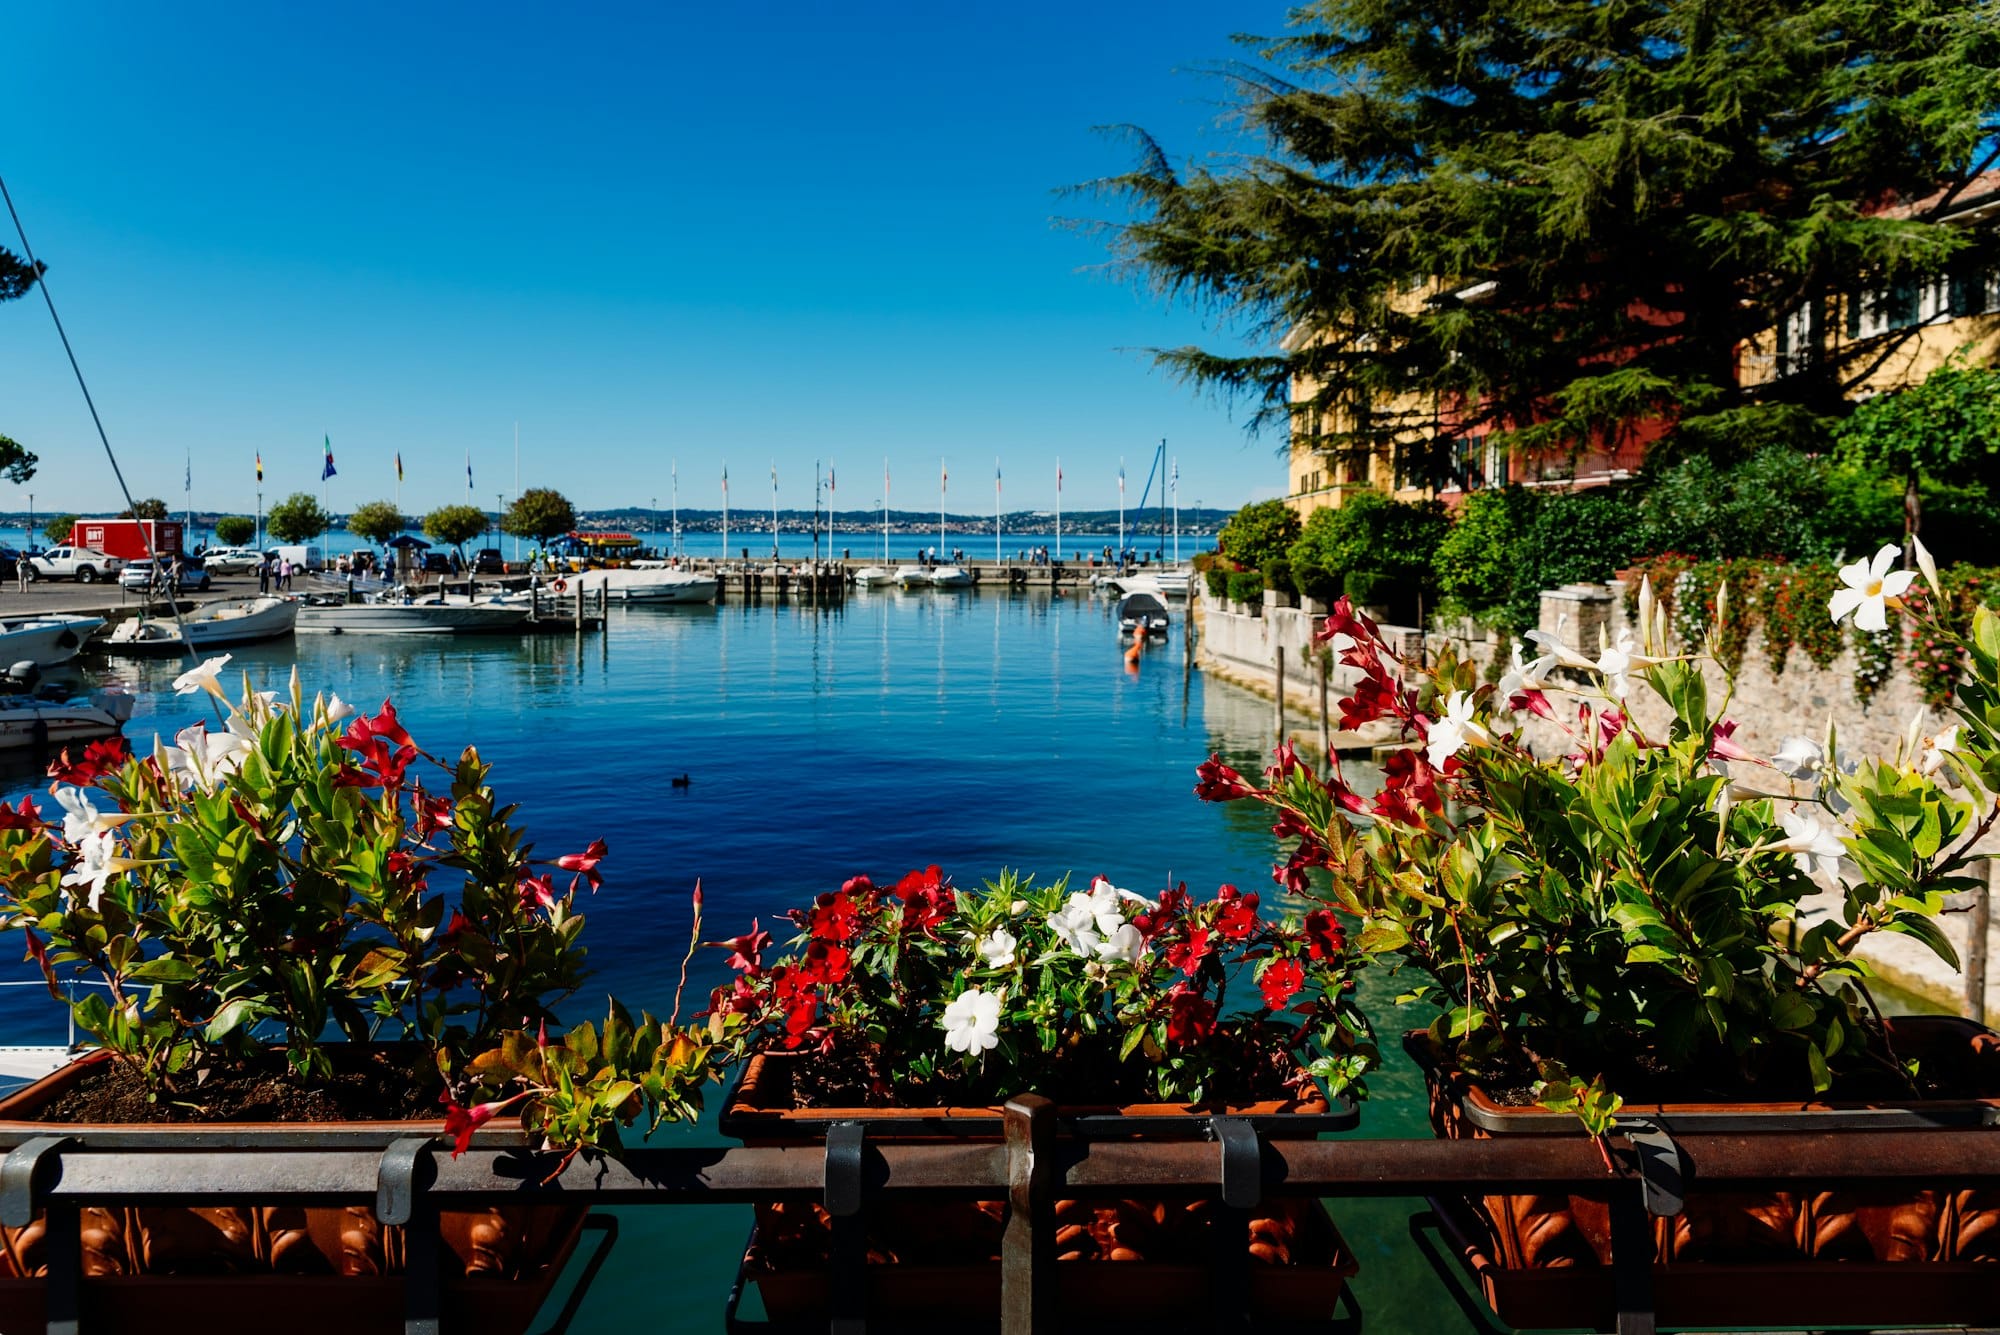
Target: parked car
{"points": [[85, 565], [140, 576], [437, 563], [231, 560], [488, 561], [9, 563]]}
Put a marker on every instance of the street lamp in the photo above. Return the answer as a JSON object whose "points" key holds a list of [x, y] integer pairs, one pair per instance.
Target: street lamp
{"points": [[656, 514], [499, 500]]}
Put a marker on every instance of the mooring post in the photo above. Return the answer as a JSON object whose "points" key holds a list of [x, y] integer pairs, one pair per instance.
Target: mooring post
{"points": [[1279, 655], [1977, 924], [579, 609]]}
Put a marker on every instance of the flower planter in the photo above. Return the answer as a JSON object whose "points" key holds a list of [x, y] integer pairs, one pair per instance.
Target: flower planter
{"points": [[229, 1268], [1118, 1260], [1851, 1257]]}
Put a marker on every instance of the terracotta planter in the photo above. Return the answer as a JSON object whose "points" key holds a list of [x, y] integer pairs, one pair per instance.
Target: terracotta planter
{"points": [[231, 1268], [1896, 1256], [1125, 1260]]}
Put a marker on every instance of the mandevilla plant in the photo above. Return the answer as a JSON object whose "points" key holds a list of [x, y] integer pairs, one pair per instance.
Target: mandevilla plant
{"points": [[267, 885], [924, 992], [1590, 920]]}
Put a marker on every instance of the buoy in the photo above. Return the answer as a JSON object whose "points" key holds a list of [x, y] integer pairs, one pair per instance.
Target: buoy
{"points": [[560, 586]]}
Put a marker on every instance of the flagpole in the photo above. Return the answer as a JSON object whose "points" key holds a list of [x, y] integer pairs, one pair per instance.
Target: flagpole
{"points": [[725, 513], [517, 482], [1058, 507], [885, 509], [1121, 513], [1177, 510], [187, 498], [944, 476], [774, 509], [996, 510], [674, 537], [816, 512]]}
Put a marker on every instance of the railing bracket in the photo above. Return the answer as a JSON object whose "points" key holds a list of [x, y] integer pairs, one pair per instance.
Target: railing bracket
{"points": [[21, 1174]]}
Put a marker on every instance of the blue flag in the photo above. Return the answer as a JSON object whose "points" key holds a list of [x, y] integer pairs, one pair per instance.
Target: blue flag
{"points": [[329, 470]]}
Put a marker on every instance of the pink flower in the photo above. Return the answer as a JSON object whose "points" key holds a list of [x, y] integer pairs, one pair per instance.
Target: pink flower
{"points": [[460, 1123], [746, 951], [584, 864], [537, 892]]}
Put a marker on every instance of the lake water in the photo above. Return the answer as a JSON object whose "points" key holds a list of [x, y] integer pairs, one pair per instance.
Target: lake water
{"points": [[975, 730]]}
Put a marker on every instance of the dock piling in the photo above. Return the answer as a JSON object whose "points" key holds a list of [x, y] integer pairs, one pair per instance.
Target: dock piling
{"points": [[1280, 701]]}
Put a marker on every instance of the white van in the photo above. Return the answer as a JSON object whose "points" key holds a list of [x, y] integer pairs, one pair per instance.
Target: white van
{"points": [[299, 554]]}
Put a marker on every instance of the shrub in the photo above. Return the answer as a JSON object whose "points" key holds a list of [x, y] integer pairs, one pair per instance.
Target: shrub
{"points": [[1218, 582], [1258, 532], [1278, 575], [1479, 560], [1369, 588], [1370, 532], [1772, 503], [1246, 586], [1579, 536]]}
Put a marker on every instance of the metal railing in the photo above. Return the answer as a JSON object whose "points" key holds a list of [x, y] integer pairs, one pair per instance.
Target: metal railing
{"points": [[1031, 1168]]}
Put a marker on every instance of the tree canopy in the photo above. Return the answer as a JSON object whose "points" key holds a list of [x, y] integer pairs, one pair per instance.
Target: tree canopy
{"points": [[1551, 219], [539, 513], [151, 507], [297, 518], [17, 462], [235, 530], [455, 525], [377, 521], [58, 528], [1946, 429], [17, 275]]}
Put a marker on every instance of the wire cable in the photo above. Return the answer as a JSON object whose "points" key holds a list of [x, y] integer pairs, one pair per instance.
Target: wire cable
{"points": [[145, 534]]}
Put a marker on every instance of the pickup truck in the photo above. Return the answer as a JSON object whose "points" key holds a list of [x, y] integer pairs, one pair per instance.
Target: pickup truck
{"points": [[85, 565]]}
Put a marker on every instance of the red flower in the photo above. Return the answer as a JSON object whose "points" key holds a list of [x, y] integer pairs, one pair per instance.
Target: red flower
{"points": [[1187, 953], [1281, 982], [39, 953], [98, 759], [584, 864], [835, 917], [432, 813], [1173, 903], [537, 892], [1220, 783], [827, 962], [1324, 939], [460, 1123], [384, 745], [1722, 745], [26, 817], [1534, 702], [1286, 760], [1238, 918], [1190, 1019], [1409, 787], [745, 951], [926, 900], [458, 925]]}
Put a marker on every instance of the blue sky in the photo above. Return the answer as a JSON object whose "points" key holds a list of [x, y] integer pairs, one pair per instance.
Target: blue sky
{"points": [[703, 233]]}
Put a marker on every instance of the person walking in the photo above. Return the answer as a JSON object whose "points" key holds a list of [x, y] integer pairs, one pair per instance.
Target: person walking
{"points": [[263, 574], [284, 572]]}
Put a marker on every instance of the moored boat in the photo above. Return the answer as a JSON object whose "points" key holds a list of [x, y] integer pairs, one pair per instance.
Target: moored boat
{"points": [[210, 626], [435, 617], [913, 577], [873, 577], [41, 715], [45, 641], [1142, 611], [949, 577], [644, 585]]}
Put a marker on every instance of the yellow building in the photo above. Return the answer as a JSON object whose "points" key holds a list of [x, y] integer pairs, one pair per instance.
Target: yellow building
{"points": [[1877, 341]]}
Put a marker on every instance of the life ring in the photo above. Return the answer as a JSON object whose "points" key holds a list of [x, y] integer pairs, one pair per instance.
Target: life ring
{"points": [[560, 586]]}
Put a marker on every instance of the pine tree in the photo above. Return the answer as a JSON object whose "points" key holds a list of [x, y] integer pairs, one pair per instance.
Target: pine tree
{"points": [[1553, 219]]}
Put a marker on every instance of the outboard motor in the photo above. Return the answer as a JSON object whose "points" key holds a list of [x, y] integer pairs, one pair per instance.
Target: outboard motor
{"points": [[22, 676]]}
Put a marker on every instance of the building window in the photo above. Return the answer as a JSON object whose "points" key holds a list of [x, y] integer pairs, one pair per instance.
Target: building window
{"points": [[1975, 287], [1796, 343], [1904, 304], [1469, 471], [1496, 465], [1357, 468]]}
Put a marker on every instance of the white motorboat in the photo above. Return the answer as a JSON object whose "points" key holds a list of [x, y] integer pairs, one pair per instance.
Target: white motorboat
{"points": [[1172, 581], [913, 577], [873, 577], [633, 585], [949, 577], [210, 626], [45, 641], [51, 717], [394, 616]]}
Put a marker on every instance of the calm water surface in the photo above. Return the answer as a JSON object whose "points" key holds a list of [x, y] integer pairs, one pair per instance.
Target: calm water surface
{"points": [[978, 731]]}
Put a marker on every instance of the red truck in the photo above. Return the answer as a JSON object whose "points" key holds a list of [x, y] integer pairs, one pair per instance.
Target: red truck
{"points": [[126, 538]]}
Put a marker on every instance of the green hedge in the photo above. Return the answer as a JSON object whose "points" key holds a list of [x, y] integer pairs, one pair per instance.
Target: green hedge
{"points": [[1246, 586]]}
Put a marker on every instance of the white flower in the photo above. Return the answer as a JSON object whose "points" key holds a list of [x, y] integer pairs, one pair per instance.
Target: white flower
{"points": [[1927, 564], [338, 709], [201, 759], [1455, 731], [1620, 660], [1122, 946], [1814, 847], [1075, 926], [97, 861], [1089, 919], [996, 950], [1930, 759], [80, 818], [1869, 589], [203, 678], [972, 1021], [1017, 908], [1526, 676], [1553, 647], [1798, 757]]}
